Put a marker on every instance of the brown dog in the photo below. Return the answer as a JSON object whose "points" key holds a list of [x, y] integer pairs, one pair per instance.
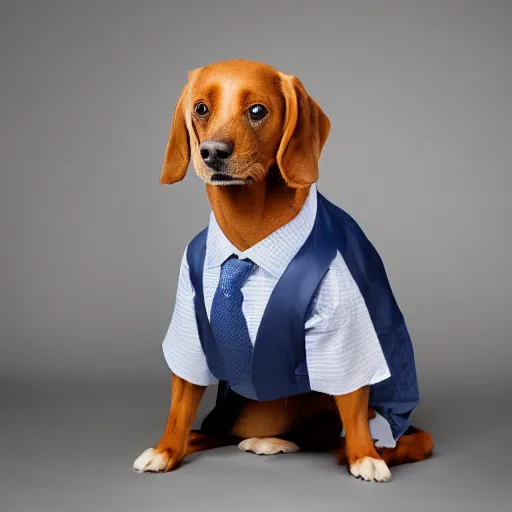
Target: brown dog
{"points": [[266, 135]]}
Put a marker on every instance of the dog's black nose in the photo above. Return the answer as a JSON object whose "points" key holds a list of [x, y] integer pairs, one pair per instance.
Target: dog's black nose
{"points": [[215, 152]]}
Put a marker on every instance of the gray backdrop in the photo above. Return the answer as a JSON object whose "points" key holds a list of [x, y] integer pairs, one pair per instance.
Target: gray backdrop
{"points": [[420, 154]]}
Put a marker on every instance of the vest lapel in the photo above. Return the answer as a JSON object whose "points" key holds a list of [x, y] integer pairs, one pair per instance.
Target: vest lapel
{"points": [[195, 257], [280, 349]]}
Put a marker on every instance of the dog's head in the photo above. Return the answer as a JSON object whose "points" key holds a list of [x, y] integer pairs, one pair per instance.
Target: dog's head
{"points": [[237, 119]]}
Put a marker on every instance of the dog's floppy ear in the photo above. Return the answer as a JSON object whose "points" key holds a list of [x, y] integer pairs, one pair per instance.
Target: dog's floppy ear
{"points": [[177, 155], [305, 131]]}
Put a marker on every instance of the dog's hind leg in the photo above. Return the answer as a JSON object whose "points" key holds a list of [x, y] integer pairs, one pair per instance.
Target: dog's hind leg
{"points": [[316, 433], [413, 446], [199, 442], [268, 445]]}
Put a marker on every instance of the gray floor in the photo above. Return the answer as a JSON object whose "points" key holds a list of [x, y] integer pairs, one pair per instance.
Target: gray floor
{"points": [[70, 448]]}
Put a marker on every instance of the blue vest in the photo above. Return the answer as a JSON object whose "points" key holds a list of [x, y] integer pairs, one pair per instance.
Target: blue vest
{"points": [[278, 365]]}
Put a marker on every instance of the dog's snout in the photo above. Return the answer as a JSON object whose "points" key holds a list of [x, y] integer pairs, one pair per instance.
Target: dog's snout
{"points": [[215, 151]]}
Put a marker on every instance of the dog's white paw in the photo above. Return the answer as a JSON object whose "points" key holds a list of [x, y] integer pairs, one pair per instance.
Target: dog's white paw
{"points": [[371, 470], [267, 446], [151, 461]]}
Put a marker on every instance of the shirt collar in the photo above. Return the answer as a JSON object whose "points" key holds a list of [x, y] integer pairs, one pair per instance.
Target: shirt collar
{"points": [[273, 253]]}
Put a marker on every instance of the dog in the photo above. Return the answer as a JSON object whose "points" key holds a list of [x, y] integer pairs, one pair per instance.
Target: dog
{"points": [[255, 136]]}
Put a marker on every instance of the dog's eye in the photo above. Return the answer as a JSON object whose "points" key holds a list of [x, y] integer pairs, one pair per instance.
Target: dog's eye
{"points": [[257, 112], [201, 109]]}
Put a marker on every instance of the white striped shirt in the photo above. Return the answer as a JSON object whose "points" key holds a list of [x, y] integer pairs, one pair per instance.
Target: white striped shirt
{"points": [[343, 352]]}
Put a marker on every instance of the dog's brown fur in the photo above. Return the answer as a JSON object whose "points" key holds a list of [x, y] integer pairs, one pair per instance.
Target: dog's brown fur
{"points": [[276, 159]]}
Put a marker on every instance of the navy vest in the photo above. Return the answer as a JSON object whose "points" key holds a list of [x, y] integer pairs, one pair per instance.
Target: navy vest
{"points": [[278, 366]]}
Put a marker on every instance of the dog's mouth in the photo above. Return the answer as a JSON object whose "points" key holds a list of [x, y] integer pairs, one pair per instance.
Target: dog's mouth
{"points": [[219, 178]]}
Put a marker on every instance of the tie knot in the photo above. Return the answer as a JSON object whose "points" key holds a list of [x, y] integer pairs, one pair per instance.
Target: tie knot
{"points": [[234, 272]]}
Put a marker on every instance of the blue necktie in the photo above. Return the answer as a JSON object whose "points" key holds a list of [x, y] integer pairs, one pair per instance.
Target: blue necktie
{"points": [[228, 322]]}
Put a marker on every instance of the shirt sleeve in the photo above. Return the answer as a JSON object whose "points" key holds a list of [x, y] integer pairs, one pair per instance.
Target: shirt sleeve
{"points": [[182, 346], [343, 351]]}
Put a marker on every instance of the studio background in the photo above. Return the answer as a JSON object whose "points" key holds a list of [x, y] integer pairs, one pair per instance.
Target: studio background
{"points": [[420, 154]]}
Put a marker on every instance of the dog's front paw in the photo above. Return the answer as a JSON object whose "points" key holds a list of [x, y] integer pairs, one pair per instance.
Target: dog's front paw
{"points": [[371, 470], [154, 460]]}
